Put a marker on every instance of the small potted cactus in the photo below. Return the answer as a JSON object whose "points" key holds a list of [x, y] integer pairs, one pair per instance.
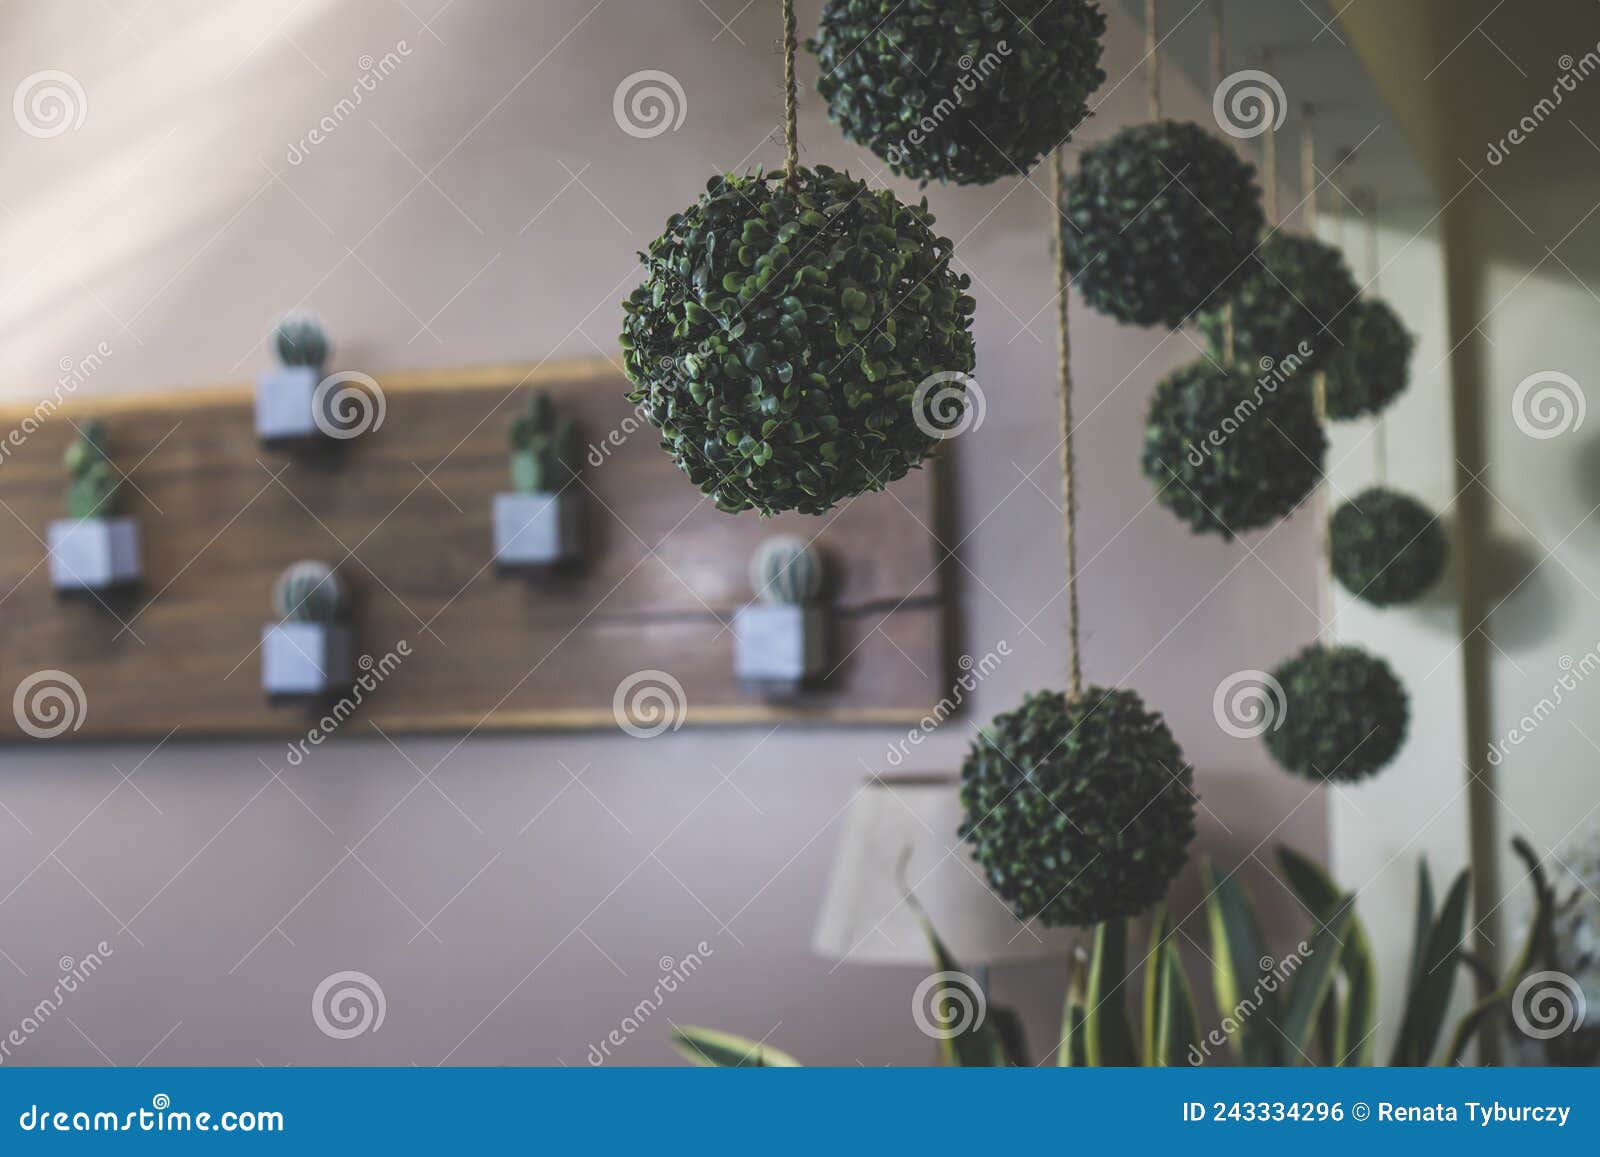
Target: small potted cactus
{"points": [[309, 652], [537, 525], [286, 397], [97, 547], [781, 640]]}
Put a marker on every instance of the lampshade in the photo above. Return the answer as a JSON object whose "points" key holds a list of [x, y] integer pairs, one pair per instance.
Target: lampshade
{"points": [[899, 833]]}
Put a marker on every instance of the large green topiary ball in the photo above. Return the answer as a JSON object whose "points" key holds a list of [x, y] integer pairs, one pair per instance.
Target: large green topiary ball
{"points": [[1228, 454], [1078, 810], [1344, 715], [1373, 366], [780, 337], [1385, 547], [958, 90], [1291, 307], [1164, 219]]}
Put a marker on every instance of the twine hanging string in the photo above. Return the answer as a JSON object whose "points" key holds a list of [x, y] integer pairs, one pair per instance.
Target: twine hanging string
{"points": [[791, 97], [1319, 381], [1380, 433], [1218, 66], [1152, 58], [1269, 157], [1058, 188]]}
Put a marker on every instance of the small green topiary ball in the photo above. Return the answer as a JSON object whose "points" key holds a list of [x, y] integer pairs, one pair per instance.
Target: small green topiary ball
{"points": [[1291, 307], [1373, 366], [1228, 454], [1385, 547], [1164, 218], [1344, 717], [958, 90], [780, 337], [1078, 810]]}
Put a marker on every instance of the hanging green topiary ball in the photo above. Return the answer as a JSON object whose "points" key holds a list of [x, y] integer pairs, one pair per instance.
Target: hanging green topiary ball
{"points": [[1228, 454], [1373, 366], [780, 337], [1078, 810], [958, 90], [1344, 716], [1164, 218], [1385, 547], [1291, 307]]}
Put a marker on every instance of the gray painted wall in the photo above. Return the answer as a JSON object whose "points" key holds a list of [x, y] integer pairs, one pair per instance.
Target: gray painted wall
{"points": [[516, 897]]}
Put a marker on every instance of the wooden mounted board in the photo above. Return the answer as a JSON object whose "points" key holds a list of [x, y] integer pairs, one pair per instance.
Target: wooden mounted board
{"points": [[403, 512]]}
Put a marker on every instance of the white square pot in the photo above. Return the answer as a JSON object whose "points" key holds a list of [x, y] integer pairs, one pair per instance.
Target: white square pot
{"points": [[780, 647], [307, 659], [286, 405], [537, 530], [94, 553]]}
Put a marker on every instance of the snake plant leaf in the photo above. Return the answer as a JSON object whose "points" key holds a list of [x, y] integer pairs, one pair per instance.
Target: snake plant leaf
{"points": [[1108, 1037], [1154, 979], [1351, 1041], [1315, 978], [1178, 1024], [712, 1048], [982, 1045], [1428, 999], [1423, 922], [1070, 1052], [1236, 954], [1534, 948]]}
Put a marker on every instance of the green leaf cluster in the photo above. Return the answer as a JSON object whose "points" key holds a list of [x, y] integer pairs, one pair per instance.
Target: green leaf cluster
{"points": [[95, 484], [1345, 714], [1078, 810], [1227, 454], [1386, 547], [1373, 366], [299, 340], [1163, 217], [541, 447], [1296, 290], [966, 91], [781, 333], [308, 592]]}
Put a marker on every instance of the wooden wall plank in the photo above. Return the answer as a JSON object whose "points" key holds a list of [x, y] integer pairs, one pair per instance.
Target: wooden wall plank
{"points": [[403, 511]]}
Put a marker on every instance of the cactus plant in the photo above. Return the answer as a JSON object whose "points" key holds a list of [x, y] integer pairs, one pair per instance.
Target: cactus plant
{"points": [[308, 592], [299, 340], [784, 569], [541, 447], [95, 483]]}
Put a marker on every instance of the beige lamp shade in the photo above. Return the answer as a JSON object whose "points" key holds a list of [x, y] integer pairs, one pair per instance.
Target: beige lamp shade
{"points": [[900, 832]]}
